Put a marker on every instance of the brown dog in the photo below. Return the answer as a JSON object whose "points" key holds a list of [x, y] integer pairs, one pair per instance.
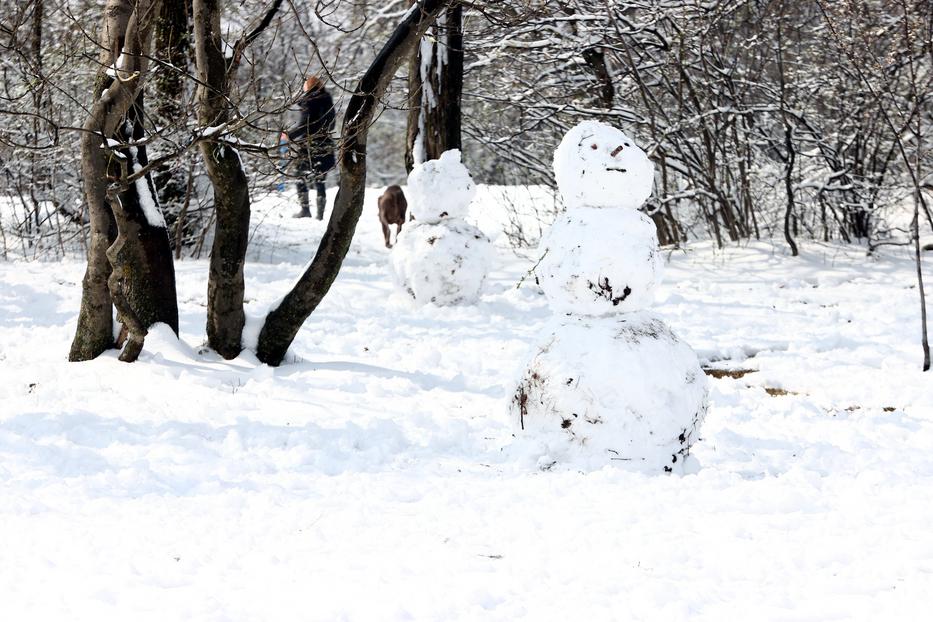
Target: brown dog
{"points": [[392, 208]]}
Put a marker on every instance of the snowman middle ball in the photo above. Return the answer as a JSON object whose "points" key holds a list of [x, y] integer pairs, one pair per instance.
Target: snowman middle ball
{"points": [[598, 262]]}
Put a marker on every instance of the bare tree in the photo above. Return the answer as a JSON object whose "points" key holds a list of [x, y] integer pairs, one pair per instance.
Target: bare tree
{"points": [[283, 322]]}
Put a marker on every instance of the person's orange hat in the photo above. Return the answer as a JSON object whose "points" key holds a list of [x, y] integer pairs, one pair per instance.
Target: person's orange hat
{"points": [[313, 83]]}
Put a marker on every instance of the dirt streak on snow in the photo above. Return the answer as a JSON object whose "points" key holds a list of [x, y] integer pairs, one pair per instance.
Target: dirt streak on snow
{"points": [[373, 476]]}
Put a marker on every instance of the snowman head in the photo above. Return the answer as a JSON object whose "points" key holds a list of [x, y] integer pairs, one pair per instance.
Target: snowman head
{"points": [[597, 165], [441, 188]]}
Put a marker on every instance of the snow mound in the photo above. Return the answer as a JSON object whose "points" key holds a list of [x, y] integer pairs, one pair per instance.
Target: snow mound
{"points": [[440, 188], [598, 261], [162, 344], [444, 263], [597, 165], [623, 390]]}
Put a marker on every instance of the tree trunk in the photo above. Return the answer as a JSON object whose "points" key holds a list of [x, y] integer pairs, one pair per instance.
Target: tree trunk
{"points": [[39, 186], [172, 45], [143, 279], [225, 288], [435, 88], [915, 233], [94, 333], [138, 266], [789, 189], [789, 147], [665, 236], [596, 60], [283, 322]]}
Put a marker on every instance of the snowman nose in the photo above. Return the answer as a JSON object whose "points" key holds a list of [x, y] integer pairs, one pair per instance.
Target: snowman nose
{"points": [[616, 151]]}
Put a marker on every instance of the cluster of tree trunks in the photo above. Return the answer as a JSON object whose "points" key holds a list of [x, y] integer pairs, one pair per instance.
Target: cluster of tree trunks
{"points": [[129, 257], [129, 260]]}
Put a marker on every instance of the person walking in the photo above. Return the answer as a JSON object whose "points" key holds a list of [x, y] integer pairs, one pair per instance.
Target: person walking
{"points": [[311, 136]]}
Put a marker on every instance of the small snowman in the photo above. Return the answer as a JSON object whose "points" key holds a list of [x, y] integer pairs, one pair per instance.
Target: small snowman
{"points": [[439, 257], [610, 382]]}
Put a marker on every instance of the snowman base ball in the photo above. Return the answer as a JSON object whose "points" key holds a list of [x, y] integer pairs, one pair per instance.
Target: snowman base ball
{"points": [[623, 390], [444, 263]]}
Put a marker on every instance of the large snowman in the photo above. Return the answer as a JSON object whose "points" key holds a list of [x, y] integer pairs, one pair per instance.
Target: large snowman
{"points": [[610, 382], [439, 257]]}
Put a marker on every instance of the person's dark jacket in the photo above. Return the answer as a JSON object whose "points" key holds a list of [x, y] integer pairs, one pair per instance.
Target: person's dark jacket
{"points": [[312, 133]]}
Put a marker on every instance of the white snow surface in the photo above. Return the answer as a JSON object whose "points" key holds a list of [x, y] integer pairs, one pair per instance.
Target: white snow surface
{"points": [[375, 476], [444, 263], [440, 188], [621, 389], [597, 165], [597, 261]]}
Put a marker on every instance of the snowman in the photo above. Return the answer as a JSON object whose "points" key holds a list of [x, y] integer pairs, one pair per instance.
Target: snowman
{"points": [[439, 257], [610, 382]]}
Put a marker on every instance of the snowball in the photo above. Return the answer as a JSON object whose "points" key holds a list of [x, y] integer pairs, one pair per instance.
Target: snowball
{"points": [[597, 165], [440, 188], [622, 390], [600, 261], [444, 263]]}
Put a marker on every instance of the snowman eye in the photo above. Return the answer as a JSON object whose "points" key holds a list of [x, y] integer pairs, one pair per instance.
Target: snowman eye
{"points": [[627, 145], [593, 146]]}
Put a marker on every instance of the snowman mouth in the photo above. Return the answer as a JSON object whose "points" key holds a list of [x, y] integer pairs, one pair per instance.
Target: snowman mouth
{"points": [[616, 168]]}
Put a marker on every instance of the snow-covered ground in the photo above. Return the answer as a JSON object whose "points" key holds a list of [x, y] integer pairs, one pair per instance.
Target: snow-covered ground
{"points": [[373, 476]]}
